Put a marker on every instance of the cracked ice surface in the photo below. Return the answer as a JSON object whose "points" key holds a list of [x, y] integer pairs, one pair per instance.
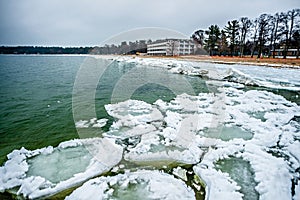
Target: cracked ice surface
{"points": [[268, 117], [273, 174]]}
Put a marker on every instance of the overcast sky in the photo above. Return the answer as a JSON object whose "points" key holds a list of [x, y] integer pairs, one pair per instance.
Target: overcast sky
{"points": [[90, 22]]}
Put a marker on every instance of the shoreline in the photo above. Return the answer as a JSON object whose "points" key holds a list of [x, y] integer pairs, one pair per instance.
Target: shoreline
{"points": [[291, 63]]}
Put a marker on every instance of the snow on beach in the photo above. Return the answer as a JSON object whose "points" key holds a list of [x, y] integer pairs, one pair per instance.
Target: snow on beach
{"points": [[256, 126]]}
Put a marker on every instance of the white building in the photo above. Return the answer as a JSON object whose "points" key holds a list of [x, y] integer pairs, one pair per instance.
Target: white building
{"points": [[171, 47]]}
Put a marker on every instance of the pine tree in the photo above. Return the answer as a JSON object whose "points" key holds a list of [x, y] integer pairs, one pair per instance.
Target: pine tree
{"points": [[211, 43], [232, 31]]}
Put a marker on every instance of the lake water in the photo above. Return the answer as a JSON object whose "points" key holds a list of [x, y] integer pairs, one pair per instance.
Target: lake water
{"points": [[36, 98], [36, 101]]}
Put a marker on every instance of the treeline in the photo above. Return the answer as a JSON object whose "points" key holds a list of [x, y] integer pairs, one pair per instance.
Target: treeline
{"points": [[123, 48], [259, 36], [44, 50]]}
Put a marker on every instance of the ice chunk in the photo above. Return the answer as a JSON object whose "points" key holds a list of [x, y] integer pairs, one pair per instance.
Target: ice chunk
{"points": [[47, 171], [133, 108], [91, 123], [152, 149], [82, 124], [100, 123], [134, 131], [235, 75], [141, 184], [271, 173], [218, 184], [180, 172], [60, 163]]}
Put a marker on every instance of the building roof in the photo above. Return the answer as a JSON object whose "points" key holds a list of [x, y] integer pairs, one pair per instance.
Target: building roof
{"points": [[167, 39]]}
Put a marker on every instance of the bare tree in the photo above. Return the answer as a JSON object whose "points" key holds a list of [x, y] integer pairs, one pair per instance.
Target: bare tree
{"points": [[198, 37], [245, 24], [262, 32], [254, 42], [274, 22], [296, 37], [292, 15], [288, 25], [284, 32]]}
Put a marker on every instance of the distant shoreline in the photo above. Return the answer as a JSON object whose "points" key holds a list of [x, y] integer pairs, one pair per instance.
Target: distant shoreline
{"points": [[265, 62]]}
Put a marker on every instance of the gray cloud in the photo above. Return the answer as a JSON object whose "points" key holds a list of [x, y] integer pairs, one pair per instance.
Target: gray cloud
{"points": [[89, 22]]}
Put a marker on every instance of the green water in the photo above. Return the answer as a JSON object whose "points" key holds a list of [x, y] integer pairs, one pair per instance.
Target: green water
{"points": [[28, 85]]}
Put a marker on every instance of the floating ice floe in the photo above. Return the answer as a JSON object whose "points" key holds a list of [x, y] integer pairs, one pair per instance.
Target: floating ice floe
{"points": [[271, 173], [133, 112], [47, 171], [141, 184], [133, 118], [268, 117], [152, 149], [94, 122], [244, 125]]}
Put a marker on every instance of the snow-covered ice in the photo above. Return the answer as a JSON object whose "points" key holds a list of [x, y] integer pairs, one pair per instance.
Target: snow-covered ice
{"points": [[94, 122], [47, 171], [276, 78], [141, 184]]}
